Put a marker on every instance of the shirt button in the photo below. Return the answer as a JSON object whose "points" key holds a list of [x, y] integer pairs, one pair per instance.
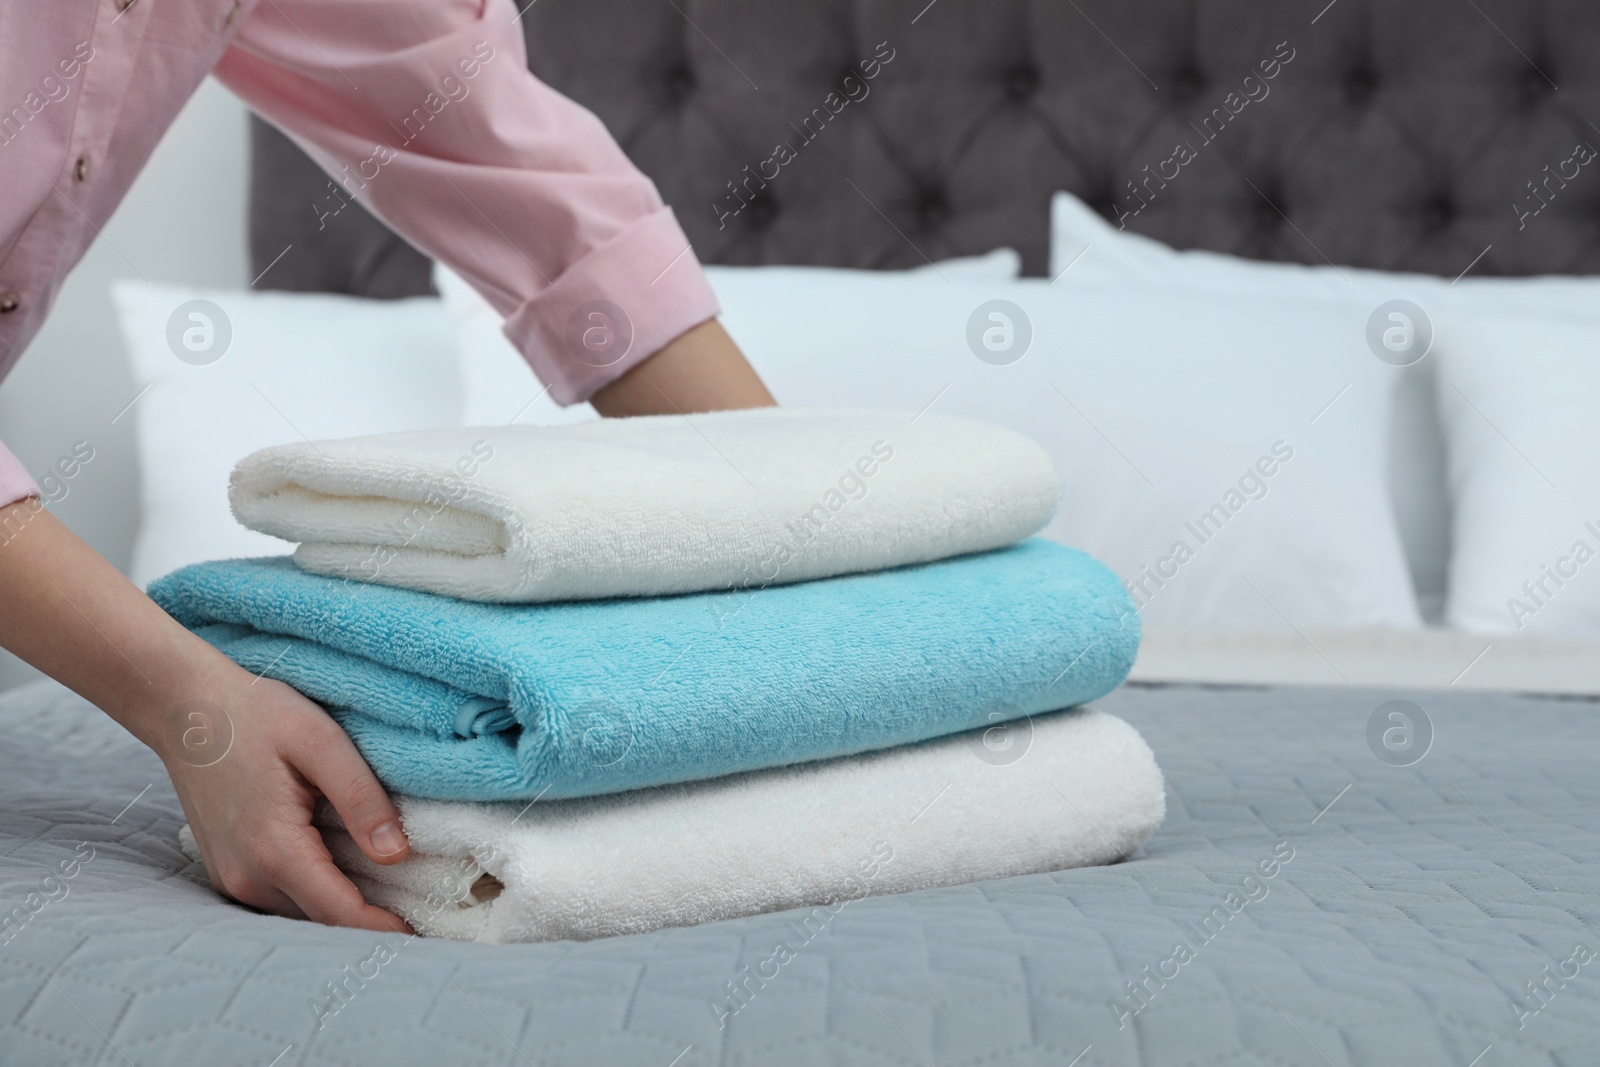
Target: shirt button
{"points": [[9, 301], [233, 12], [80, 169]]}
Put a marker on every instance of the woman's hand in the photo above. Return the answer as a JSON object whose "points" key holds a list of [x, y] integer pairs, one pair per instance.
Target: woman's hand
{"points": [[250, 803], [71, 614]]}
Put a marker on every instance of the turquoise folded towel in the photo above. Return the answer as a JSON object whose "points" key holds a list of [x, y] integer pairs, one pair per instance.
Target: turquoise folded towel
{"points": [[454, 700]]}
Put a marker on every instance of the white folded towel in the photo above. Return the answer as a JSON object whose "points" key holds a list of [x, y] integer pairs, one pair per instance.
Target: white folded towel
{"points": [[648, 506], [1069, 789]]}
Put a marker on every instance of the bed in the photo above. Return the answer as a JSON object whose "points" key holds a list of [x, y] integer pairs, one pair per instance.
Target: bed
{"points": [[1417, 905], [1435, 903]]}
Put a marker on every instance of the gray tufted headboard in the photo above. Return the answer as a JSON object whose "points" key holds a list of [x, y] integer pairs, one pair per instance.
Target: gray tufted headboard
{"points": [[1399, 134]]}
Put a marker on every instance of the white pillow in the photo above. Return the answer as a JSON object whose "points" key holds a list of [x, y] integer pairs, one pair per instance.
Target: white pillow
{"points": [[1519, 393], [499, 386], [284, 366], [1002, 264], [1086, 247], [1187, 392]]}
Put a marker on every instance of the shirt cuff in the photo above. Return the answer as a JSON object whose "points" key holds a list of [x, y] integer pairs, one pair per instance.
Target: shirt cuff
{"points": [[613, 309], [15, 481]]}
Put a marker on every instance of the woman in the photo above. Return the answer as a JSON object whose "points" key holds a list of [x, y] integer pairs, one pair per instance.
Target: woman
{"points": [[425, 111]]}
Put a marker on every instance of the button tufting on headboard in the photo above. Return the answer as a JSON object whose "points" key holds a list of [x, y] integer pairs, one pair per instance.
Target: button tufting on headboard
{"points": [[1359, 86], [1187, 83], [680, 83], [1439, 211], [762, 211], [932, 209], [1399, 134], [1536, 84], [1022, 81], [1269, 213]]}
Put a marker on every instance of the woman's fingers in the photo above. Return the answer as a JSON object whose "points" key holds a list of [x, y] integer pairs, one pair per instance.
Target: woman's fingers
{"points": [[283, 866], [329, 761], [323, 894], [254, 824], [248, 887]]}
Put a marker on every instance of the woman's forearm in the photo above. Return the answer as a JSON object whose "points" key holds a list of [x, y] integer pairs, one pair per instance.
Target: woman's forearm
{"points": [[264, 753], [71, 614], [701, 370]]}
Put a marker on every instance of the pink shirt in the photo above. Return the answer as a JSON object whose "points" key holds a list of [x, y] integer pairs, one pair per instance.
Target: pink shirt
{"points": [[423, 110]]}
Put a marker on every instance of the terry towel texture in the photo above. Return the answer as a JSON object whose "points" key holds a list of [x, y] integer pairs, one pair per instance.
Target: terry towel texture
{"points": [[646, 506], [1068, 789], [464, 701]]}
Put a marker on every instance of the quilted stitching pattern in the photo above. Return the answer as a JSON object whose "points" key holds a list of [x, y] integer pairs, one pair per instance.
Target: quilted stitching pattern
{"points": [[1418, 902]]}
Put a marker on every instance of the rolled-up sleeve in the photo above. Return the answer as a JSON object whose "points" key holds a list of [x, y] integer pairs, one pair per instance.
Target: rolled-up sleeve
{"points": [[426, 113], [15, 481]]}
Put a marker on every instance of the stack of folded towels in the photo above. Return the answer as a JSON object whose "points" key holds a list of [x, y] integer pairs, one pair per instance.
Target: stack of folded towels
{"points": [[650, 672]]}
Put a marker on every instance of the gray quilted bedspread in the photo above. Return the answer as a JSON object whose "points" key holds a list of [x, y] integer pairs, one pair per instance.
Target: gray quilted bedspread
{"points": [[1306, 903]]}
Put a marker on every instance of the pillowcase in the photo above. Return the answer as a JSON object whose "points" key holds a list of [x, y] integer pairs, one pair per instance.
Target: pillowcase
{"points": [[1000, 264], [499, 386], [1096, 250], [226, 373], [1518, 395], [1088, 248], [1223, 456]]}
